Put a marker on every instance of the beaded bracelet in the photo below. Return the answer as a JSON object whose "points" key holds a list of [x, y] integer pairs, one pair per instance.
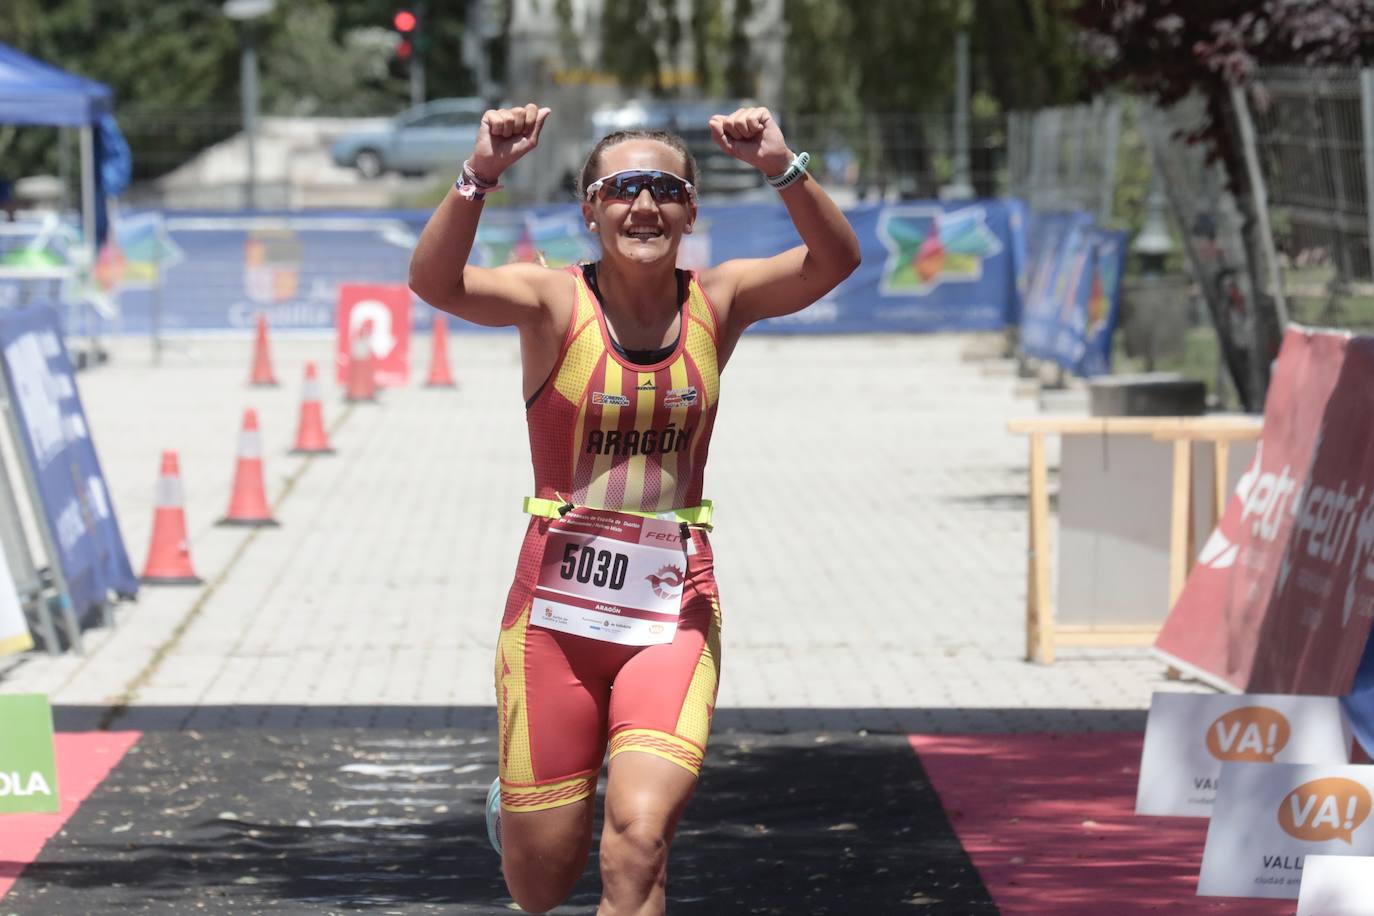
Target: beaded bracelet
{"points": [[470, 187]]}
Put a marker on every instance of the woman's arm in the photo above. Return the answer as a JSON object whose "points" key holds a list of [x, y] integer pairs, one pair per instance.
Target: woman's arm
{"points": [[514, 294], [767, 287]]}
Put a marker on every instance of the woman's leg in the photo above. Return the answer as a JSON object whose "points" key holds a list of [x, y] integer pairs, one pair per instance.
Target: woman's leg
{"points": [[645, 798], [552, 694], [543, 853], [660, 716]]}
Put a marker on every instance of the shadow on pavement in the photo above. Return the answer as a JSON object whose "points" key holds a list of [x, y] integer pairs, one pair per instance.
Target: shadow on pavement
{"points": [[388, 818], [483, 718]]}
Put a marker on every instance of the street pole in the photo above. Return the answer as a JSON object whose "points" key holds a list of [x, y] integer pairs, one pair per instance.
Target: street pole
{"points": [[961, 108], [417, 56], [248, 75], [246, 12], [961, 185]]}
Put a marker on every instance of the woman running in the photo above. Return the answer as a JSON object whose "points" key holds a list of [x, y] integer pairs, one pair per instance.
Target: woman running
{"points": [[611, 629]]}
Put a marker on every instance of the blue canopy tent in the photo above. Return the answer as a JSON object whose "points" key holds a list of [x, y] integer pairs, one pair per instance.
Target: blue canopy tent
{"points": [[35, 93]]}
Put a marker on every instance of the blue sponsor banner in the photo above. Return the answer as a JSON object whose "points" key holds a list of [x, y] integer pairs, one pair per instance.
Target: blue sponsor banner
{"points": [[1072, 297], [927, 265], [55, 442], [1359, 703]]}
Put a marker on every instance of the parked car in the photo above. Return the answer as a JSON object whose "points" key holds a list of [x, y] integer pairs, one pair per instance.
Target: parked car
{"points": [[434, 135]]}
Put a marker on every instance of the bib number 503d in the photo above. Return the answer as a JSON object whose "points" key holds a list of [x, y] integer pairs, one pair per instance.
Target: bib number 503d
{"points": [[602, 568]]}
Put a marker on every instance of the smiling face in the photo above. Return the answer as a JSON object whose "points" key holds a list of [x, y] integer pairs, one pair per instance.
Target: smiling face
{"points": [[641, 231]]}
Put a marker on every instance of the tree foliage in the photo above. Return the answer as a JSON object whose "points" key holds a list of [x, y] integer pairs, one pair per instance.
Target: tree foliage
{"points": [[1166, 49], [173, 66], [898, 56]]}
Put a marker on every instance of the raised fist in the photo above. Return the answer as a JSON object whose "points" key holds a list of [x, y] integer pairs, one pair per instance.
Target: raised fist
{"points": [[751, 135], [504, 136]]}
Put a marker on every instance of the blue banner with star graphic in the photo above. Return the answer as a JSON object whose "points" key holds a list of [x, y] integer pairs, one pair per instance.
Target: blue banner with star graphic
{"points": [[927, 265]]}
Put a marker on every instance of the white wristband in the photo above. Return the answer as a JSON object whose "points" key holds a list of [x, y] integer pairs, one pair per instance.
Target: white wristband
{"points": [[792, 173]]}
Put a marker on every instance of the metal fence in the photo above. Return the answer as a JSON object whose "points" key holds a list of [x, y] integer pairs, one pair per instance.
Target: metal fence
{"points": [[1312, 137], [194, 159], [900, 154], [1210, 231], [1065, 158]]}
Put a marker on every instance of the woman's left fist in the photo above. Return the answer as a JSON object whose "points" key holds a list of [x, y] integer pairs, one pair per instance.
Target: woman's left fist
{"points": [[751, 135]]}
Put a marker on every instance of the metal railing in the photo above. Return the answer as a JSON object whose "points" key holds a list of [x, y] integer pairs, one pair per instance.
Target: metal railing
{"points": [[1312, 137], [1065, 158]]}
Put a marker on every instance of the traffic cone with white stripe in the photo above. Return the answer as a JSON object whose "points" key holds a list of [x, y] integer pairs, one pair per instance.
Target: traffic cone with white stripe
{"points": [[248, 502], [169, 553], [439, 374], [311, 438], [262, 358], [362, 370]]}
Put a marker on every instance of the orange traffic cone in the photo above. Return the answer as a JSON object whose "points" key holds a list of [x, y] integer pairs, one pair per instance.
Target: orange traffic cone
{"points": [[248, 503], [311, 438], [362, 371], [439, 374], [169, 554], [262, 358]]}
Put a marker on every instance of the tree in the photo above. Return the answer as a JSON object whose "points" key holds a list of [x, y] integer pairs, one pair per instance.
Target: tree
{"points": [[173, 66], [156, 55], [895, 59], [312, 67], [1169, 50]]}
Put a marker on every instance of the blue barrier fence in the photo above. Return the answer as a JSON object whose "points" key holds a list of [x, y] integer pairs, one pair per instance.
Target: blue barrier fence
{"points": [[927, 266]]}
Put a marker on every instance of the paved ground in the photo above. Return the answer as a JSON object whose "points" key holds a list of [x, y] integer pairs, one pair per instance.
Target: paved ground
{"points": [[871, 555], [871, 542]]}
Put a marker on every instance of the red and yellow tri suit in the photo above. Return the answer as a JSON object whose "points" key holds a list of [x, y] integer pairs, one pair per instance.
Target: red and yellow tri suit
{"points": [[608, 433]]}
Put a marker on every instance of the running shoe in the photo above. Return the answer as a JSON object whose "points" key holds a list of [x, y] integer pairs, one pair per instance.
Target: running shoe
{"points": [[494, 815]]}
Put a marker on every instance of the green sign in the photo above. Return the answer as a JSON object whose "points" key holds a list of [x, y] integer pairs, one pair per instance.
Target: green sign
{"points": [[28, 769]]}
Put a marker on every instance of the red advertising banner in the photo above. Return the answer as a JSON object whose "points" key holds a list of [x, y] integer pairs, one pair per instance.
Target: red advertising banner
{"points": [[386, 309], [1282, 595]]}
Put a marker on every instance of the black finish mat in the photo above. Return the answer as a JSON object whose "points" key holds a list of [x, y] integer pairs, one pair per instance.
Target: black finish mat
{"points": [[385, 820]]}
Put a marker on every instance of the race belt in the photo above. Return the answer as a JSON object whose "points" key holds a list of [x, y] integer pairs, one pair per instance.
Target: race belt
{"points": [[694, 516]]}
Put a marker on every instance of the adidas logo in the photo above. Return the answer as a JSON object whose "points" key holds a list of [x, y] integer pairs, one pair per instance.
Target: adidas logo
{"points": [[647, 386]]}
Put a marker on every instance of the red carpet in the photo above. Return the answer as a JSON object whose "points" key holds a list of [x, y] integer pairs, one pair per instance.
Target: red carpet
{"points": [[83, 760], [1048, 821]]}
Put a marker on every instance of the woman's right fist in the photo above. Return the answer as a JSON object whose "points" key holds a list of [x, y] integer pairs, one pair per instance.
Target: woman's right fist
{"points": [[504, 136]]}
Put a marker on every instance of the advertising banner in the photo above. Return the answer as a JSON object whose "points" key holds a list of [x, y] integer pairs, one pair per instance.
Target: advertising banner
{"points": [[55, 442], [1073, 295], [14, 629], [927, 265], [1188, 737], [1269, 817], [1336, 886], [1282, 595], [384, 311], [28, 766]]}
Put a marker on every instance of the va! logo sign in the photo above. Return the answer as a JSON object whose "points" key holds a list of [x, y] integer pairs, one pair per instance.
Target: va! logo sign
{"points": [[1252, 734], [1325, 809]]}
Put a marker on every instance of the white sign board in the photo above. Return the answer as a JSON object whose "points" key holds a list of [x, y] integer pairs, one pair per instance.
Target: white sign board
{"points": [[1190, 735], [1337, 886], [14, 629], [1269, 816]]}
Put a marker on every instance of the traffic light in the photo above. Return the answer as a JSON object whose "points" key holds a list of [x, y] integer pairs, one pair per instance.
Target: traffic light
{"points": [[405, 21]]}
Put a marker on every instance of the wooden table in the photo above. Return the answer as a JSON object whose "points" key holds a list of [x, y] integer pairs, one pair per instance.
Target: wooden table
{"points": [[1220, 430]]}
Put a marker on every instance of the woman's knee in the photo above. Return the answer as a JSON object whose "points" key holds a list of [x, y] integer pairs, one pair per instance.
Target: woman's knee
{"points": [[635, 849], [543, 854]]}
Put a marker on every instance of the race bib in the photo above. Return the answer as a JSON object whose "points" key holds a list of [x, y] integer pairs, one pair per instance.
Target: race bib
{"points": [[611, 576]]}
